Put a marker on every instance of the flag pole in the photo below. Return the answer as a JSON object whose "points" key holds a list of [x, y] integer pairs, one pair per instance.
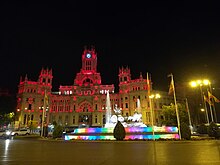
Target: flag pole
{"points": [[151, 107], [214, 111], [210, 106], [206, 111], [176, 107], [204, 103]]}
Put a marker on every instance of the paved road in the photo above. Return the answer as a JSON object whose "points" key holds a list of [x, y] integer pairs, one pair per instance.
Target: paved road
{"points": [[41, 152]]}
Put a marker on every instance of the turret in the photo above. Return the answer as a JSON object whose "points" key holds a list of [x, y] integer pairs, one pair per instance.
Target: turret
{"points": [[45, 77], [124, 75], [141, 76]]}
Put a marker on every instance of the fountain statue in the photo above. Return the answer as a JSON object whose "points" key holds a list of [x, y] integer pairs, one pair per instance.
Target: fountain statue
{"points": [[132, 121]]}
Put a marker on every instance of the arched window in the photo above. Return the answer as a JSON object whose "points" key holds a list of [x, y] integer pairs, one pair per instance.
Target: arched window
{"points": [[86, 81]]}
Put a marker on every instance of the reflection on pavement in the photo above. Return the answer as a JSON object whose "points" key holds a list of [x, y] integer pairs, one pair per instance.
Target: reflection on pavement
{"points": [[5, 156]]}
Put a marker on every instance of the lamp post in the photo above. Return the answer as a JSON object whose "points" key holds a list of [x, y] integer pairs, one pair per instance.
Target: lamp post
{"points": [[201, 83], [151, 99], [190, 122], [203, 110]]}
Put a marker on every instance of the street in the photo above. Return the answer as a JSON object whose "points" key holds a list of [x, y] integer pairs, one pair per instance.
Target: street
{"points": [[41, 152]]}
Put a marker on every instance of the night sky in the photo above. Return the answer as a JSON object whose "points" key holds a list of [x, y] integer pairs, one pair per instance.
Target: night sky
{"points": [[159, 37]]}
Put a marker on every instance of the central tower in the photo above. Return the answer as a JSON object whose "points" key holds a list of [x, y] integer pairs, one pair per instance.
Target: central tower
{"points": [[88, 73], [89, 61]]}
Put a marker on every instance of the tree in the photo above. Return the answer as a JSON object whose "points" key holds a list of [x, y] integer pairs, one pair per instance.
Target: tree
{"points": [[170, 119], [58, 131], [119, 131], [7, 118], [169, 113]]}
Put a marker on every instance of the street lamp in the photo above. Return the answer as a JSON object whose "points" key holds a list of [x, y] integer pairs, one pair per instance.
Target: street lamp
{"points": [[151, 99], [202, 110], [202, 83]]}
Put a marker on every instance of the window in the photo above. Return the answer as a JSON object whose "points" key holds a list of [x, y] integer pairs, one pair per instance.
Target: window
{"points": [[29, 107], [74, 119], [96, 119], [103, 119], [126, 105]]}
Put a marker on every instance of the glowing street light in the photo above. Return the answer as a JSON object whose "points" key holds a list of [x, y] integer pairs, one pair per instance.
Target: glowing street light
{"points": [[200, 83], [151, 98], [156, 96], [206, 82], [196, 83], [202, 110]]}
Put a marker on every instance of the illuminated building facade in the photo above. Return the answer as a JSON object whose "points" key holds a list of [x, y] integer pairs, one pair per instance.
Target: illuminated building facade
{"points": [[84, 102]]}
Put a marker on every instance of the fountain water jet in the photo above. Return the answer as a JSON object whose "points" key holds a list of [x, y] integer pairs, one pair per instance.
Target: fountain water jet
{"points": [[108, 113], [138, 106]]}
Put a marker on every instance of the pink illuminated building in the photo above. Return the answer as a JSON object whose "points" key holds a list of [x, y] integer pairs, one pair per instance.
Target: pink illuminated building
{"points": [[84, 102]]}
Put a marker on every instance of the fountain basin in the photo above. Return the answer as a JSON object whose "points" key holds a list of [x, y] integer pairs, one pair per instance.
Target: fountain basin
{"points": [[132, 133]]}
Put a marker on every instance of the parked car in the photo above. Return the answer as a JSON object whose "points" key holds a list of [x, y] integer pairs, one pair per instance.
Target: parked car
{"points": [[2, 132], [20, 132], [5, 133]]}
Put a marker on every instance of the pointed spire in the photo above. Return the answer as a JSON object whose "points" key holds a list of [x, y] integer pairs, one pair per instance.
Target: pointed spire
{"points": [[47, 71], [26, 78], [51, 72], [141, 77]]}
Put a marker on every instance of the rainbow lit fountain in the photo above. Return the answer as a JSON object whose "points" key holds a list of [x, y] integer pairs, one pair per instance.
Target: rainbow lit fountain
{"points": [[135, 129]]}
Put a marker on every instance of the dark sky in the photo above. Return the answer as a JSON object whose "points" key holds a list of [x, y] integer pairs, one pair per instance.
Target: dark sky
{"points": [[159, 37]]}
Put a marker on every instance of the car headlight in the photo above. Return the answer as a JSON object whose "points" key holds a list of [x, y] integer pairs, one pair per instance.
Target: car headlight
{"points": [[8, 132]]}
